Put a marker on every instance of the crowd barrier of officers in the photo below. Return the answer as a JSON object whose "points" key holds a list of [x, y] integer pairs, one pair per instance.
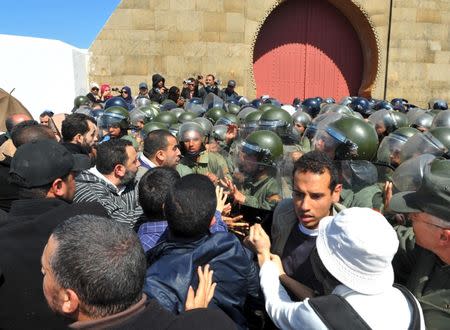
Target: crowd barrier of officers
{"points": [[256, 142]]}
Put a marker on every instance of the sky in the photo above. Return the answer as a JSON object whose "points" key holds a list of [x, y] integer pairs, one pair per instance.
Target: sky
{"points": [[74, 22]]}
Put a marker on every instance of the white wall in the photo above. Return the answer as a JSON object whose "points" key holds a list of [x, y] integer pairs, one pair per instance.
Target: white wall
{"points": [[46, 74]]}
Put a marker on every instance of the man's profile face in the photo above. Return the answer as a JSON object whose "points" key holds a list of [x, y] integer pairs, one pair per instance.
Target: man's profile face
{"points": [[90, 138], [131, 165], [70, 187], [427, 234], [312, 197], [49, 284], [172, 152], [248, 163]]}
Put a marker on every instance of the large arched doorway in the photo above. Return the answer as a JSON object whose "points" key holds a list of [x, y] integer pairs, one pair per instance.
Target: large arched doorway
{"points": [[307, 48]]}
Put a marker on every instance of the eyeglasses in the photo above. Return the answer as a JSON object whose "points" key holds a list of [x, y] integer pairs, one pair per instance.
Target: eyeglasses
{"points": [[429, 223], [124, 92]]}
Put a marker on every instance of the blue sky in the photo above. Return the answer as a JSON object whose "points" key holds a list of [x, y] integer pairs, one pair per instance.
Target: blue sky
{"points": [[75, 22]]}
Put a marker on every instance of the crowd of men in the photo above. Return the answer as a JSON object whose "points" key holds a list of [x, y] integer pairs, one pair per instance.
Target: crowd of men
{"points": [[201, 209]]}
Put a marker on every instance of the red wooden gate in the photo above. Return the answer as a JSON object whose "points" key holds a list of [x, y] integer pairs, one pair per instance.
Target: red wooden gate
{"points": [[307, 48]]}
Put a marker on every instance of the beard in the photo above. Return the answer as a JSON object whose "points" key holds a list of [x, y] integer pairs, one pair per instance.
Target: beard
{"points": [[128, 177]]}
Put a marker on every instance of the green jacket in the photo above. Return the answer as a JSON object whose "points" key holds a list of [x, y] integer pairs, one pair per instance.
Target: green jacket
{"points": [[426, 276], [370, 196], [262, 194], [210, 162]]}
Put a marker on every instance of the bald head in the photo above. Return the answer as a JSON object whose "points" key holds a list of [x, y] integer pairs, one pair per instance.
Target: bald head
{"points": [[29, 133], [15, 119]]}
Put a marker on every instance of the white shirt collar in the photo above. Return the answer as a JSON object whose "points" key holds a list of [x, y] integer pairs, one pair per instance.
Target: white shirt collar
{"points": [[94, 171], [308, 232], [147, 161]]}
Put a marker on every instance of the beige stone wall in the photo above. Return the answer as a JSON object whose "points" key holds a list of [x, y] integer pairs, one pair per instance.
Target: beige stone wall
{"points": [[182, 38], [419, 57]]}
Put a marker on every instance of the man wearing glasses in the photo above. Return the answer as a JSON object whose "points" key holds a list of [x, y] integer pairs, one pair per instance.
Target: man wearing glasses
{"points": [[423, 260]]}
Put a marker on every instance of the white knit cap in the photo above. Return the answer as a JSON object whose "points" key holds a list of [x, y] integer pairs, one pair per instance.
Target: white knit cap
{"points": [[357, 246]]}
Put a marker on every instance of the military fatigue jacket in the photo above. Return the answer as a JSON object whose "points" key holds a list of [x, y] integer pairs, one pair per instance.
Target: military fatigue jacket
{"points": [[210, 162], [261, 194], [370, 196], [426, 276]]}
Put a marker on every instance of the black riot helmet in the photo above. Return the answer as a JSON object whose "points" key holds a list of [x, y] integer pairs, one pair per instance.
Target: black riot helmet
{"points": [[362, 106], [311, 106]]}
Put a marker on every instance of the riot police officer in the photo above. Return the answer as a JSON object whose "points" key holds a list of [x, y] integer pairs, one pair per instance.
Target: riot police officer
{"points": [[256, 184]]}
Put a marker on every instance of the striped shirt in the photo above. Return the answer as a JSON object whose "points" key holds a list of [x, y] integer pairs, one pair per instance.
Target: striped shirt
{"points": [[122, 204]]}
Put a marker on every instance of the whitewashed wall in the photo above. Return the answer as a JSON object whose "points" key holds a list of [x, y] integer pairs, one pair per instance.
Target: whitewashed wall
{"points": [[46, 74]]}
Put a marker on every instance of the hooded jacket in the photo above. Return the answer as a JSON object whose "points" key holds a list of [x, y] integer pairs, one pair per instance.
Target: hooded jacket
{"points": [[173, 265], [122, 206], [154, 93]]}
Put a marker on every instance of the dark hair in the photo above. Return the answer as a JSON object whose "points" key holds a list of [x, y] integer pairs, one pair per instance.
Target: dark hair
{"points": [[211, 75], [12, 120], [102, 261], [29, 131], [173, 94], [156, 140], [190, 206], [110, 154], [74, 124], [48, 113], [317, 162], [153, 189]]}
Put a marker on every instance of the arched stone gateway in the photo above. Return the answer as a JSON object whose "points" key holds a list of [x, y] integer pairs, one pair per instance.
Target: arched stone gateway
{"points": [[313, 48]]}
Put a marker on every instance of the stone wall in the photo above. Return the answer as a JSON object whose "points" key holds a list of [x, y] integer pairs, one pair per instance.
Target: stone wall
{"points": [[182, 38]]}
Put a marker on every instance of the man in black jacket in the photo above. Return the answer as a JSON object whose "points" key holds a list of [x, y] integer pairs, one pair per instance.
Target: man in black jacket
{"points": [[44, 173], [79, 134]]}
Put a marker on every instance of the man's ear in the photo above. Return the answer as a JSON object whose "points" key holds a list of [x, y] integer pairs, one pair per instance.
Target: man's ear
{"points": [[336, 193], [70, 300], [119, 170], [160, 155], [444, 238], [58, 188], [78, 139]]}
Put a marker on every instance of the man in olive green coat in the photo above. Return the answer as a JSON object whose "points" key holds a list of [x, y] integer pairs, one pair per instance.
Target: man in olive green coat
{"points": [[423, 260]]}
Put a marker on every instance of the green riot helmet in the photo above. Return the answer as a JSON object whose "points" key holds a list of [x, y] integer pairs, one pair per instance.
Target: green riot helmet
{"points": [[277, 120], [81, 100], [167, 118], [244, 112], [301, 121], [348, 138], [152, 126], [177, 111], [233, 108], [205, 124], [250, 124], [113, 117], [336, 108], [228, 119], [191, 132], [391, 146], [142, 102], [174, 129], [214, 114], [150, 112], [265, 146], [219, 133], [267, 106], [422, 122], [442, 119], [436, 142], [187, 116], [139, 117], [387, 121]]}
